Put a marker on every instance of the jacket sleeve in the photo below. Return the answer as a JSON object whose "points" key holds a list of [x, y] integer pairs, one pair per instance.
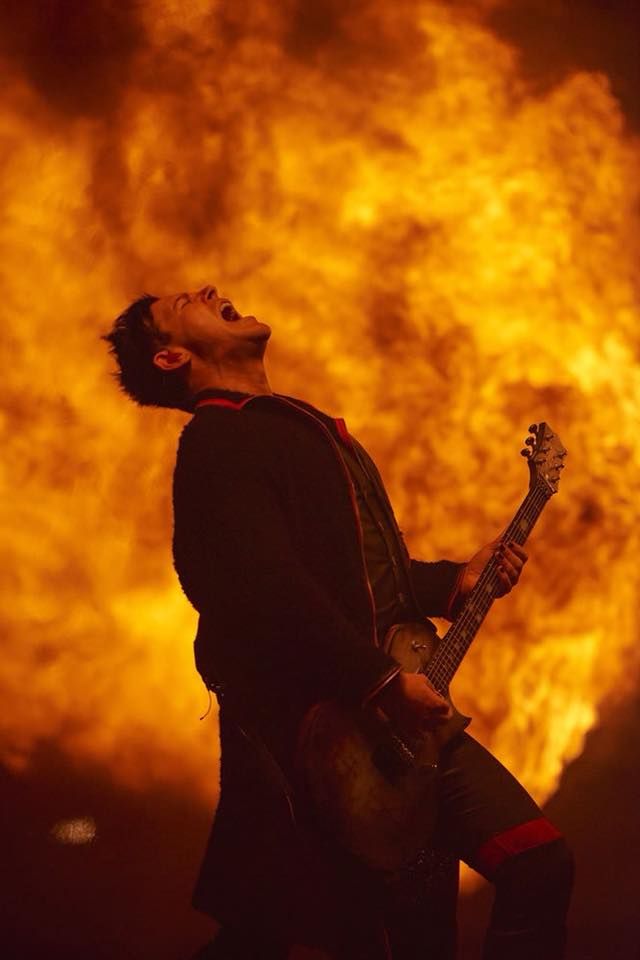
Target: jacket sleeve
{"points": [[436, 586], [252, 583]]}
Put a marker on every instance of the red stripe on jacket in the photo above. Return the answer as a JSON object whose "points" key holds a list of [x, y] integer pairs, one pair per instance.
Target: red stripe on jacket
{"points": [[223, 402]]}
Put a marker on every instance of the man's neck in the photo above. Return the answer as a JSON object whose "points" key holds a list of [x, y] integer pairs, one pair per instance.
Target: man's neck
{"points": [[248, 379]]}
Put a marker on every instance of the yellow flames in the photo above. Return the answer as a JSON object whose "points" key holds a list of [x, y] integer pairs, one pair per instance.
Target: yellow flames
{"points": [[444, 258]]}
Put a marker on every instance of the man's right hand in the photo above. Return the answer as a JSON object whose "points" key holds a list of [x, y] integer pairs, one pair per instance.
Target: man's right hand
{"points": [[412, 705]]}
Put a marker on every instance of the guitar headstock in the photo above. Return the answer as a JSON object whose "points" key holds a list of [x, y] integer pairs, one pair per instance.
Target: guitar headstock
{"points": [[545, 456]]}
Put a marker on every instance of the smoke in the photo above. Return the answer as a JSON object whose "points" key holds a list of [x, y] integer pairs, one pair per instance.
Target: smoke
{"points": [[559, 37], [445, 244], [77, 56]]}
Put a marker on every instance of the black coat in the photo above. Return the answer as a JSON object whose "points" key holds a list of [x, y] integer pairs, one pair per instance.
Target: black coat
{"points": [[267, 547]]}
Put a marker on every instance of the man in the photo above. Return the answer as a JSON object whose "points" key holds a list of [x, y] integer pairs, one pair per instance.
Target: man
{"points": [[287, 546]]}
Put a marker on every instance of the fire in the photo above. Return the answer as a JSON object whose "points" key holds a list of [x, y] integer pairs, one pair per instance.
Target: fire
{"points": [[444, 258]]}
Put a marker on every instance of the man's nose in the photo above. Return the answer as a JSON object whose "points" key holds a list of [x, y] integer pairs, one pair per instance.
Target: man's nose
{"points": [[207, 292]]}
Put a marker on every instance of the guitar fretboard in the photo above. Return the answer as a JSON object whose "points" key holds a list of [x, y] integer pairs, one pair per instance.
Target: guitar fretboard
{"points": [[452, 648]]}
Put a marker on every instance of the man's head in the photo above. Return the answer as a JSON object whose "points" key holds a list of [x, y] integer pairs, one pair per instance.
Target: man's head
{"points": [[168, 348]]}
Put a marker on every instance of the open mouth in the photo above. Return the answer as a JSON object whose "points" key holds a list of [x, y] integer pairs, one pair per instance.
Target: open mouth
{"points": [[228, 312]]}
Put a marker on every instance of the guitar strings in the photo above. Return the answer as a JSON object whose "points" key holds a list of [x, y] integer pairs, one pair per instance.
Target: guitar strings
{"points": [[447, 658]]}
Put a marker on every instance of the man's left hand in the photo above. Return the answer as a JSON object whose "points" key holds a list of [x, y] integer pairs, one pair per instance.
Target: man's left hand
{"points": [[511, 559]]}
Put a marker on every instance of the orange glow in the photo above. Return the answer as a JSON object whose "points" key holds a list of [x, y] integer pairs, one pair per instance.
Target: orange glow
{"points": [[444, 258]]}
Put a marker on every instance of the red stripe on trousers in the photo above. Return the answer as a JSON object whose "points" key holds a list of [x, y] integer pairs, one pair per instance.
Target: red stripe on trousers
{"points": [[533, 833]]}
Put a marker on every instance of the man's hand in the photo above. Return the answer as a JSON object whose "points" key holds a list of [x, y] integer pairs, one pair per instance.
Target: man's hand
{"points": [[511, 560], [412, 705]]}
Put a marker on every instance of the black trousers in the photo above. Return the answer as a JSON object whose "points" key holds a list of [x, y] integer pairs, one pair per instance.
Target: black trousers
{"points": [[488, 820]]}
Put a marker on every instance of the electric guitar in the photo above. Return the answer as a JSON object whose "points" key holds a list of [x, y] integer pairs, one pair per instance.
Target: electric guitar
{"points": [[375, 790]]}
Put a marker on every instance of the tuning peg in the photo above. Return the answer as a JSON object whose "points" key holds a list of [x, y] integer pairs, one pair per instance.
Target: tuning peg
{"points": [[533, 428], [530, 441], [525, 453]]}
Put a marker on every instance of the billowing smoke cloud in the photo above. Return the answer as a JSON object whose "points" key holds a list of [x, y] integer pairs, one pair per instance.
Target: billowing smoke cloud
{"points": [[446, 251]]}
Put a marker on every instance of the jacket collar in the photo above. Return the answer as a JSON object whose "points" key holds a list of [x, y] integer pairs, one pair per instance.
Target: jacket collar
{"points": [[235, 400], [221, 398]]}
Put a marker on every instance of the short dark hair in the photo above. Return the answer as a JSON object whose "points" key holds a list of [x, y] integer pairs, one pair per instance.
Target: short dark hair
{"points": [[134, 340]]}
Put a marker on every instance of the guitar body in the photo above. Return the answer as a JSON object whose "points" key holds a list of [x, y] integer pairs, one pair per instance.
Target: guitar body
{"points": [[376, 792]]}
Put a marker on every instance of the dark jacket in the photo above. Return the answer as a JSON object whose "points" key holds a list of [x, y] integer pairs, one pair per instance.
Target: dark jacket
{"points": [[268, 549]]}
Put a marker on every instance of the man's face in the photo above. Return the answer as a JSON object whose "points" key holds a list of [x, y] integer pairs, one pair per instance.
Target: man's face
{"points": [[208, 325]]}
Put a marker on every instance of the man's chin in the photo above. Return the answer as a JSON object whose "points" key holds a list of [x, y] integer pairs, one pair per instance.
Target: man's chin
{"points": [[258, 337], [263, 330]]}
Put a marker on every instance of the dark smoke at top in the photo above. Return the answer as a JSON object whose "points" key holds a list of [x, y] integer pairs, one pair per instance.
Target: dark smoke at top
{"points": [[75, 53], [556, 37], [78, 54]]}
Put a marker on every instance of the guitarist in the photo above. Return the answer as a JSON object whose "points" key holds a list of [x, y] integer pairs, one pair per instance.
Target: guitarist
{"points": [[286, 544]]}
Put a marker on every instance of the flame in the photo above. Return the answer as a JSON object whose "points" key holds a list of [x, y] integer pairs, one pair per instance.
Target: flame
{"points": [[444, 257]]}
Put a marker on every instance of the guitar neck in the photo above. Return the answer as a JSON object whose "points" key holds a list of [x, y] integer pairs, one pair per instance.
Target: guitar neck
{"points": [[452, 648]]}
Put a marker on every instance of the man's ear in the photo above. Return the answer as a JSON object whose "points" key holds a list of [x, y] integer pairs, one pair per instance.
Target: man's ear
{"points": [[169, 360]]}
